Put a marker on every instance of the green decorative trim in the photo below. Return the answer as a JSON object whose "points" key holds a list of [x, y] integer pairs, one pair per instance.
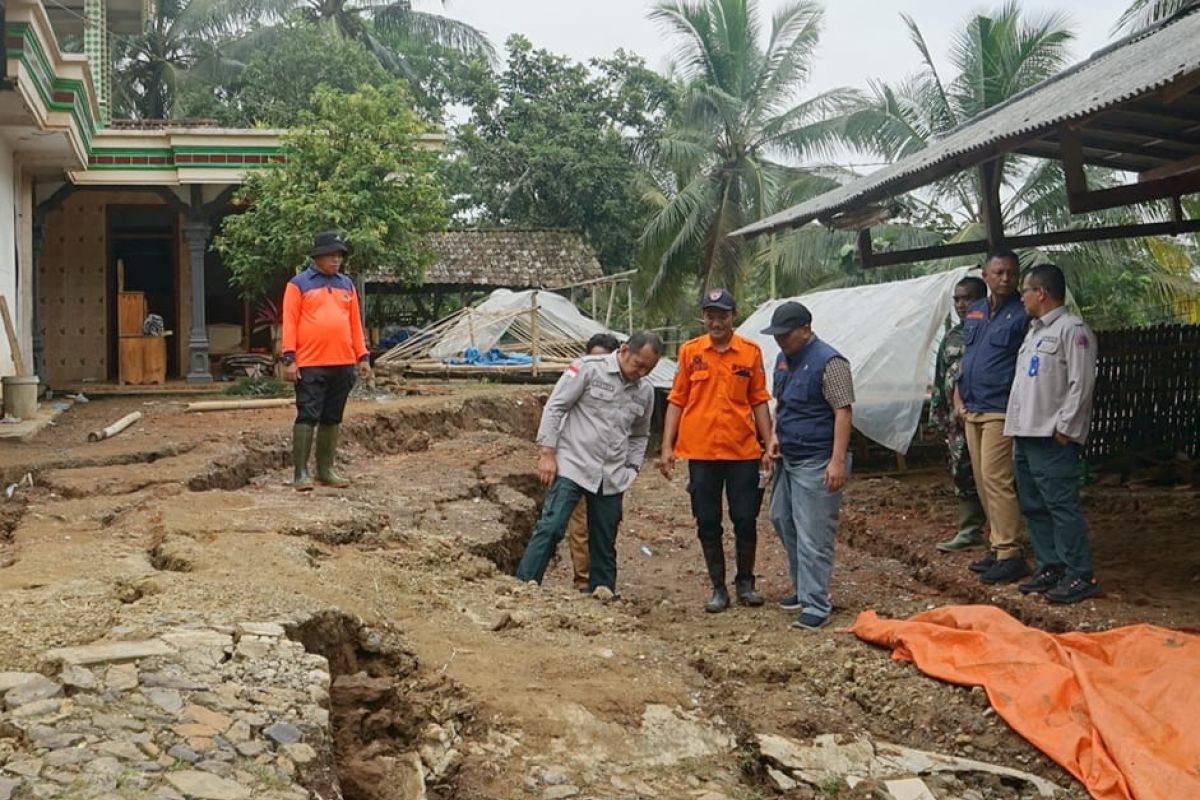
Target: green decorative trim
{"points": [[53, 89], [48, 84]]}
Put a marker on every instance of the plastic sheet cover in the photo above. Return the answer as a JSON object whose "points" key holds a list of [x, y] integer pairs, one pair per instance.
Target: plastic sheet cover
{"points": [[890, 333]]}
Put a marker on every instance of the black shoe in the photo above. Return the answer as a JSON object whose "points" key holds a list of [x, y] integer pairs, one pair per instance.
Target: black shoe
{"points": [[983, 564], [1072, 590], [810, 622], [745, 592], [718, 602], [1043, 580], [1006, 570], [791, 603]]}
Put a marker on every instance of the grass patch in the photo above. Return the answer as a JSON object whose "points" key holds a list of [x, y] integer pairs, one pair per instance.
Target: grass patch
{"points": [[260, 386]]}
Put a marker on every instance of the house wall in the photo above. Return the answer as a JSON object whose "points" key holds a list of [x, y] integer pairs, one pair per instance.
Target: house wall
{"points": [[8, 250], [74, 287]]}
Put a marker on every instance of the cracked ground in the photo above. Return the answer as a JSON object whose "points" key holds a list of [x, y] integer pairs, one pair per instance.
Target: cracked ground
{"points": [[185, 515]]}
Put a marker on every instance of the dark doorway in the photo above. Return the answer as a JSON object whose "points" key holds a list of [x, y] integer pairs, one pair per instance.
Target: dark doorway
{"points": [[144, 241]]}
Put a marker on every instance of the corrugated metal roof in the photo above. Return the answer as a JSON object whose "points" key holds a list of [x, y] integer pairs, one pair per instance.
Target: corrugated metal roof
{"points": [[1126, 70]]}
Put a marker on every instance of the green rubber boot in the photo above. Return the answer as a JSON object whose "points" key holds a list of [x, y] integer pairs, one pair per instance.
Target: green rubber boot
{"points": [[327, 442], [302, 439], [970, 527]]}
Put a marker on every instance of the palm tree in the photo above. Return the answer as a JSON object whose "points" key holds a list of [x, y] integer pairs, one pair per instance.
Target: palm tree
{"points": [[180, 38], [721, 159], [1143, 13], [996, 57], [385, 26]]}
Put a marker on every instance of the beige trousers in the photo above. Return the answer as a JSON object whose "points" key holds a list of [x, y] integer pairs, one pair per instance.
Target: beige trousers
{"points": [[577, 540], [992, 462]]}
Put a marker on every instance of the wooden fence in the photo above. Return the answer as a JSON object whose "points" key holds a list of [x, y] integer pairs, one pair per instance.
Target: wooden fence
{"points": [[1147, 392]]}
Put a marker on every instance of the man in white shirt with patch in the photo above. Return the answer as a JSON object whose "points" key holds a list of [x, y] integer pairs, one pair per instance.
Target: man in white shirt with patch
{"points": [[1049, 412]]}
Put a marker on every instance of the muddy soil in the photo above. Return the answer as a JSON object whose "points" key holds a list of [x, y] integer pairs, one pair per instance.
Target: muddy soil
{"points": [[190, 515]]}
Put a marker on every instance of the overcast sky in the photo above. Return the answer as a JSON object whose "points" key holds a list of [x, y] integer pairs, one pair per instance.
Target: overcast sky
{"points": [[862, 39]]}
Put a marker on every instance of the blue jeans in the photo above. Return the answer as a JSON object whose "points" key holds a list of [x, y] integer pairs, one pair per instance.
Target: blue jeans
{"points": [[1048, 490], [805, 515]]}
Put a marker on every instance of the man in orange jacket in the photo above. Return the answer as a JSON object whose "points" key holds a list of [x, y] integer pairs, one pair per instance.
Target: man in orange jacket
{"points": [[718, 419], [323, 347]]}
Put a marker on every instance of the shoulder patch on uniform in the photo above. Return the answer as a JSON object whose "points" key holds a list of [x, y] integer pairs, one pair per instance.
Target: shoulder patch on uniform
{"points": [[1082, 340], [975, 315], [571, 371]]}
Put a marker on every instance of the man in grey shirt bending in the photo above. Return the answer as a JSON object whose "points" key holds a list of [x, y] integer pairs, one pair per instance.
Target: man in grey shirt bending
{"points": [[1049, 411], [592, 441]]}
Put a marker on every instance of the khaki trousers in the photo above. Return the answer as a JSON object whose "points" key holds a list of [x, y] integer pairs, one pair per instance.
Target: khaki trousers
{"points": [[577, 541], [992, 462]]}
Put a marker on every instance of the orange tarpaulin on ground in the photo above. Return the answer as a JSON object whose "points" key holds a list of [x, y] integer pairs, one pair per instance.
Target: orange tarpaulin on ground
{"points": [[1120, 709]]}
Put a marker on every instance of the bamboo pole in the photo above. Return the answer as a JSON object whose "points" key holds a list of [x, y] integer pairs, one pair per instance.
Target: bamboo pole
{"points": [[629, 290], [536, 333], [112, 430], [240, 405], [612, 293]]}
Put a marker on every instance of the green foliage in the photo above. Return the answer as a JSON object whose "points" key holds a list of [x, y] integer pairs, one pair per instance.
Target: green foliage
{"points": [[551, 143], [182, 43], [1142, 13], [354, 165], [285, 68], [722, 156]]}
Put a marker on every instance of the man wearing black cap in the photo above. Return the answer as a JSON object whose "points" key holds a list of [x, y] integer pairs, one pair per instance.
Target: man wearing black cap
{"points": [[813, 394], [718, 419], [322, 343]]}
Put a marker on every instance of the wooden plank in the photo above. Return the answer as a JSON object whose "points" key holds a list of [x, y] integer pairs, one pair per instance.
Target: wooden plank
{"points": [[1100, 199], [1032, 240], [11, 332], [926, 253], [1167, 170]]}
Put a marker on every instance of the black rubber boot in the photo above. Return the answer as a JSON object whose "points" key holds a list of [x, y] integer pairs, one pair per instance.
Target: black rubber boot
{"points": [[714, 559], [327, 441], [302, 439], [744, 580]]}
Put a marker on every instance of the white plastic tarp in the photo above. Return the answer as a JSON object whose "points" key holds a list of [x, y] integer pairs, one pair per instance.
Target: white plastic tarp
{"points": [[488, 321], [491, 318], [889, 332]]}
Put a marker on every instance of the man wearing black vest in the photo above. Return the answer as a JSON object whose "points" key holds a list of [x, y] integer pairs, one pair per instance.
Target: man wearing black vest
{"points": [[813, 394]]}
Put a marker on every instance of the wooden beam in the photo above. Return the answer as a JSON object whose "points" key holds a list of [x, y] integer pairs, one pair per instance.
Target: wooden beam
{"points": [[1167, 170], [924, 253], [1141, 123], [1034, 240], [1107, 159], [1179, 88], [1127, 195], [993, 216], [1072, 161], [1166, 150]]}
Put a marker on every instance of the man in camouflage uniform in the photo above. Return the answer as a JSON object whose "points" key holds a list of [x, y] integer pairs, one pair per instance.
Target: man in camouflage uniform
{"points": [[941, 414]]}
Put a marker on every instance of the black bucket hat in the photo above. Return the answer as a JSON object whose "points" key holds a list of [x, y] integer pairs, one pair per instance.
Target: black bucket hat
{"points": [[328, 242]]}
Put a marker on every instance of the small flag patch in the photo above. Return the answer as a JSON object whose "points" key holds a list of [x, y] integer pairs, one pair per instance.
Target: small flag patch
{"points": [[572, 371], [1082, 340]]}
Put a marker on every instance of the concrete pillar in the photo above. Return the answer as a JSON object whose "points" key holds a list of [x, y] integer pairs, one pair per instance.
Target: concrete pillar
{"points": [[195, 235]]}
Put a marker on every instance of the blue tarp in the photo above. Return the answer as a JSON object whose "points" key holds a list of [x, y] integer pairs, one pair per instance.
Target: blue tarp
{"points": [[493, 357]]}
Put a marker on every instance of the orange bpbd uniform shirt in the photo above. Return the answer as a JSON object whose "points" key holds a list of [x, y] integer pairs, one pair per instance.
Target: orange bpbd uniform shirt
{"points": [[717, 392], [321, 321]]}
